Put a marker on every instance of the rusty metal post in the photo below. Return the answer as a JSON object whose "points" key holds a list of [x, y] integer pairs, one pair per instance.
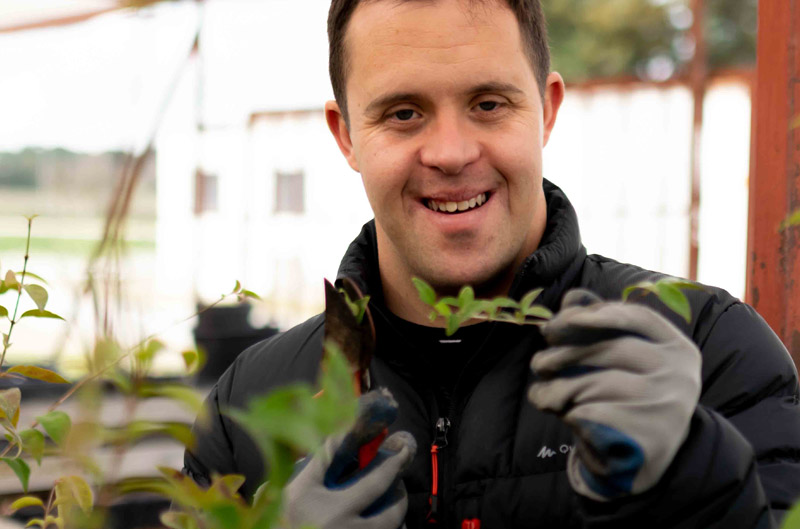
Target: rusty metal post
{"points": [[698, 81], [773, 264]]}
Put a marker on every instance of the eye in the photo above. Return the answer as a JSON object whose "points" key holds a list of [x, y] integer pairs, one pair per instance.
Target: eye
{"points": [[404, 114], [488, 106]]}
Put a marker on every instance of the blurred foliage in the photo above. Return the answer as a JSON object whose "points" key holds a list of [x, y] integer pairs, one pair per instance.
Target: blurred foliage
{"points": [[649, 39], [285, 424]]}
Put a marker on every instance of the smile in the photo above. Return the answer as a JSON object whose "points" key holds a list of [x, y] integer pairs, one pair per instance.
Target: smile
{"points": [[457, 207]]}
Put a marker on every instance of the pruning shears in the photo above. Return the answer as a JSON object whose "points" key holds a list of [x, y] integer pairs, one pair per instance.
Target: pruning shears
{"points": [[356, 340]]}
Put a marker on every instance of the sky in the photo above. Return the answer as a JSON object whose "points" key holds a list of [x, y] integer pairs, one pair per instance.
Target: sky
{"points": [[99, 85]]}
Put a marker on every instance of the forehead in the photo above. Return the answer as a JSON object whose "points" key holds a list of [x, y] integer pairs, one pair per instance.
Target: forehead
{"points": [[395, 41]]}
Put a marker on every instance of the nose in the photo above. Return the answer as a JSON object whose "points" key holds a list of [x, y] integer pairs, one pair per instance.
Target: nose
{"points": [[449, 145]]}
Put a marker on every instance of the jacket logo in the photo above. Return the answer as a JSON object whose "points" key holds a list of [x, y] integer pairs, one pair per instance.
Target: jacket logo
{"points": [[546, 452]]}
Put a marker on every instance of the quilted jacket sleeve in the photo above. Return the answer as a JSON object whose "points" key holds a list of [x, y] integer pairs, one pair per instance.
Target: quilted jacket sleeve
{"points": [[212, 450], [740, 465]]}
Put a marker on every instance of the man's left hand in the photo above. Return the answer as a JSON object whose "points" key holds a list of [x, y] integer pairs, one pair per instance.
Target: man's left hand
{"points": [[627, 381]]}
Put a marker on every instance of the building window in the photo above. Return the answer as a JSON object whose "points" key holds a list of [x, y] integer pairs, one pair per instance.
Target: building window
{"points": [[205, 192], [289, 192]]}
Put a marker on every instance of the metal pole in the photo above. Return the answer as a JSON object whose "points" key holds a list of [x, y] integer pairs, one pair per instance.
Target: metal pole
{"points": [[773, 264]]}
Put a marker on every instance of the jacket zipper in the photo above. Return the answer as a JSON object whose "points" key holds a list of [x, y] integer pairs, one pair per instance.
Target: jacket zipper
{"points": [[440, 442]]}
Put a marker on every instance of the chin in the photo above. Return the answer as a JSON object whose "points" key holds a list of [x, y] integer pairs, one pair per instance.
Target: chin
{"points": [[490, 278]]}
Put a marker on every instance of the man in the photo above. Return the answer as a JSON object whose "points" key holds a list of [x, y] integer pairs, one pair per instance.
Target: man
{"points": [[631, 416]]}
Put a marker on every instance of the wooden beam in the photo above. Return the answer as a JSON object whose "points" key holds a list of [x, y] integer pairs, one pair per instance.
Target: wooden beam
{"points": [[698, 81], [773, 265], [56, 22]]}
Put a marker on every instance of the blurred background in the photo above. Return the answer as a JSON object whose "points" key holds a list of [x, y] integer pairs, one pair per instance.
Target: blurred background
{"points": [[221, 103], [194, 131]]}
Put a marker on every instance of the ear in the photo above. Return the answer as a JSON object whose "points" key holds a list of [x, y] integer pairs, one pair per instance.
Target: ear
{"points": [[338, 127], [554, 95]]}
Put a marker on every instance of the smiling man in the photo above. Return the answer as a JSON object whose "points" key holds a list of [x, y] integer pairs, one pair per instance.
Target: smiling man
{"points": [[610, 415]]}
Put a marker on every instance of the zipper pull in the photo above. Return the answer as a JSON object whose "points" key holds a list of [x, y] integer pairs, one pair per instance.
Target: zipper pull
{"points": [[440, 441], [442, 426]]}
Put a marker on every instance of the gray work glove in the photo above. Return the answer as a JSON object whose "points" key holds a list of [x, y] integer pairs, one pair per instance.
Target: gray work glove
{"points": [[330, 491], [627, 381]]}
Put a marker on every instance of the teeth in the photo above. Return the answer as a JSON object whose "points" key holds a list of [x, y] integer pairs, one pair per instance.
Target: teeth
{"points": [[452, 207]]}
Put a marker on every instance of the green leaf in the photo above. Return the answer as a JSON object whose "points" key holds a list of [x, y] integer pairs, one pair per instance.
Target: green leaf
{"points": [[41, 314], [648, 286], [501, 303], [33, 442], [792, 519], [73, 490], [148, 352], [226, 486], [250, 294], [3, 312], [628, 291], [185, 394], [791, 220], [453, 323], [471, 310], [361, 308], [135, 430], [26, 501], [357, 307], [28, 274], [539, 311], [286, 415], [12, 436], [237, 287], [673, 298], [528, 299], [261, 497], [21, 469], [681, 283], [57, 425], [506, 317], [38, 295], [225, 515], [35, 521], [291, 418], [9, 404], [10, 281], [443, 309], [39, 373], [466, 296], [193, 359], [426, 292]]}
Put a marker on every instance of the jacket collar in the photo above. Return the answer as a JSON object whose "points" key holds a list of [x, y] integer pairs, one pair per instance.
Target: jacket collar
{"points": [[554, 266]]}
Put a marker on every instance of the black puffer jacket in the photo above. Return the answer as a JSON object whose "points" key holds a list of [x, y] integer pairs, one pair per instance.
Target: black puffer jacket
{"points": [[504, 462]]}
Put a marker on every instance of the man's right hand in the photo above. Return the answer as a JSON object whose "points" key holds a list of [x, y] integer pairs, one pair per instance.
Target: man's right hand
{"points": [[328, 493]]}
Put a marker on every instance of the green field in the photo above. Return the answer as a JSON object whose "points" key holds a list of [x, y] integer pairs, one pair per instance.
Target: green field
{"points": [[53, 245]]}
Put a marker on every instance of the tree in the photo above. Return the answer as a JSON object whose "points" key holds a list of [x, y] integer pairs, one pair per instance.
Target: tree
{"points": [[648, 39]]}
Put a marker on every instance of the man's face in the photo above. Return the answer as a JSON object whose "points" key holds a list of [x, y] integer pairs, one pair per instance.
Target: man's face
{"points": [[446, 128]]}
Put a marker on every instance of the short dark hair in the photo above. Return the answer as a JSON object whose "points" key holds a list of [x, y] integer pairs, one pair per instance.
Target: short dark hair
{"points": [[529, 16]]}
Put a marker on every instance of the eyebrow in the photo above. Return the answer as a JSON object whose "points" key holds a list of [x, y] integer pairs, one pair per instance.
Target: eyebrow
{"points": [[397, 97]]}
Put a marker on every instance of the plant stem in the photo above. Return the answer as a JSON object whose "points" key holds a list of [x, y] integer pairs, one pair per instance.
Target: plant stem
{"points": [[7, 341], [122, 357]]}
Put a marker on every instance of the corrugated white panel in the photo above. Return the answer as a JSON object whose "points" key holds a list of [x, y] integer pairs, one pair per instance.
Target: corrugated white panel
{"points": [[622, 154]]}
